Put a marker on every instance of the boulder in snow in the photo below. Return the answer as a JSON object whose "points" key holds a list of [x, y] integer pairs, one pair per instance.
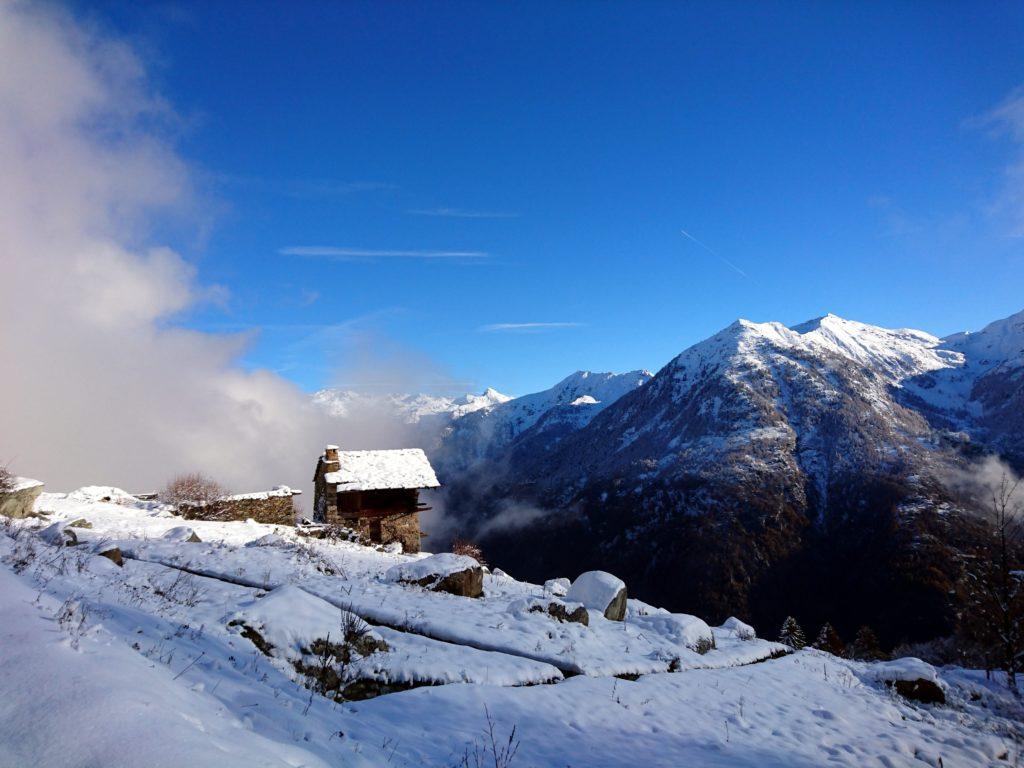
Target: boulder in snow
{"points": [[80, 523], [21, 498], [912, 679], [557, 587], [182, 534], [600, 591], [738, 629], [113, 554], [445, 572], [553, 607], [59, 535]]}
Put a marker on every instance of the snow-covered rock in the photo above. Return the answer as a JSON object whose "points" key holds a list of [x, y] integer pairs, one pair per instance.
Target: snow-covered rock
{"points": [[181, 534], [600, 591], [19, 500], [557, 587], [59, 534], [560, 610], [684, 630], [102, 493], [911, 678], [446, 572], [738, 629]]}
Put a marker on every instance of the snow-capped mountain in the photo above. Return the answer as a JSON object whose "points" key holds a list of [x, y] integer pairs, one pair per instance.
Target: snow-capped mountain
{"points": [[409, 408], [543, 417], [766, 454], [982, 392], [461, 431]]}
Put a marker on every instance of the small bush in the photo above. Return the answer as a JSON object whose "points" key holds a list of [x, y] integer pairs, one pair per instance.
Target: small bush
{"points": [[704, 645], [192, 488], [469, 549], [6, 480]]}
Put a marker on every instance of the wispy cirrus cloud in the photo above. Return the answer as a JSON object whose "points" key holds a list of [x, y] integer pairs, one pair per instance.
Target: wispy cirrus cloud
{"points": [[300, 188], [1006, 119], [525, 327], [463, 213], [371, 254]]}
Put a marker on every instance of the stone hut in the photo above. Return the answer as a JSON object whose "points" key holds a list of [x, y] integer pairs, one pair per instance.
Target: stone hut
{"points": [[376, 493], [272, 507]]}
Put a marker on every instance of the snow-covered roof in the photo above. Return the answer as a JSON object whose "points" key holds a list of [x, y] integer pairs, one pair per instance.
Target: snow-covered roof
{"points": [[382, 470], [278, 490]]}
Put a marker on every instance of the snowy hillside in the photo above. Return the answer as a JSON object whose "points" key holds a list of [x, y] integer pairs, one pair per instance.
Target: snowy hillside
{"points": [[240, 644]]}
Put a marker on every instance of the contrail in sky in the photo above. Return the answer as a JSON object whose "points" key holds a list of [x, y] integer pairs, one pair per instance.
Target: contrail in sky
{"points": [[714, 253]]}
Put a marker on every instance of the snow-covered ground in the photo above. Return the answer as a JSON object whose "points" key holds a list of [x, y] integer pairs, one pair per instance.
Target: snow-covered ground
{"points": [[192, 653]]}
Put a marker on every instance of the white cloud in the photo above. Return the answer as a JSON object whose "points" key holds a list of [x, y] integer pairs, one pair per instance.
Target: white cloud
{"points": [[98, 386], [367, 254], [526, 327], [1007, 119], [462, 213]]}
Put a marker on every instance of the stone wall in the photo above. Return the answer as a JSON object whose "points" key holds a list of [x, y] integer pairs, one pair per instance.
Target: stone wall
{"points": [[325, 495], [403, 528], [266, 508]]}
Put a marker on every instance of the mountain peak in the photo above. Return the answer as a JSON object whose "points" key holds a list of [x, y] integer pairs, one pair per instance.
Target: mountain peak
{"points": [[1000, 340]]}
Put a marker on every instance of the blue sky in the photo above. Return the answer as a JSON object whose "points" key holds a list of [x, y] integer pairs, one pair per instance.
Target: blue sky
{"points": [[388, 188]]}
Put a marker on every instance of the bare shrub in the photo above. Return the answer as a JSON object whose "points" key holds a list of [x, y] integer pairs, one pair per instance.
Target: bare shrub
{"points": [[469, 549], [490, 751], [72, 618], [6, 480], [184, 589], [704, 644], [991, 589], [192, 488], [326, 665]]}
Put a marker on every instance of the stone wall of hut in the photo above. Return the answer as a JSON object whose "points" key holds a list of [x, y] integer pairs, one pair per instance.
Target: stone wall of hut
{"points": [[272, 510]]}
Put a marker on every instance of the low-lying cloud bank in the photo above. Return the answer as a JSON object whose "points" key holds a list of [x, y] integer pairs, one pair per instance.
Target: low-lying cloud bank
{"points": [[97, 385]]}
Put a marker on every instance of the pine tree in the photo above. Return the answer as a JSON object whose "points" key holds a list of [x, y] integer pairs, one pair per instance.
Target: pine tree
{"points": [[829, 640], [865, 646], [791, 634]]}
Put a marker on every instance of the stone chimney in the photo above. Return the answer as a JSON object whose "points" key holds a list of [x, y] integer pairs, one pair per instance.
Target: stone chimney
{"points": [[331, 455]]}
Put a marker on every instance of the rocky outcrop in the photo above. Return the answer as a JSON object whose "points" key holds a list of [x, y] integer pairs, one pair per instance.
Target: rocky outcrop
{"points": [[911, 678], [21, 498], [455, 574]]}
